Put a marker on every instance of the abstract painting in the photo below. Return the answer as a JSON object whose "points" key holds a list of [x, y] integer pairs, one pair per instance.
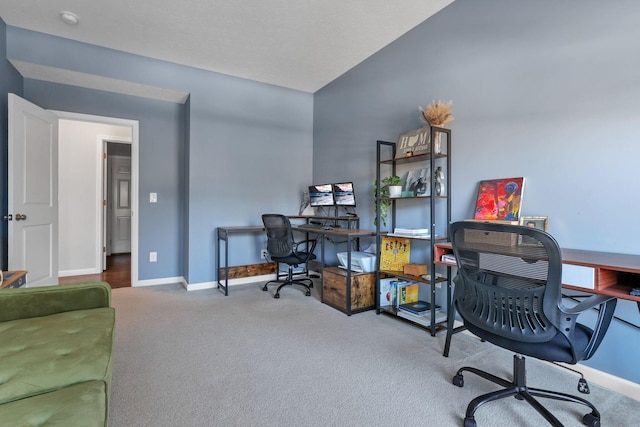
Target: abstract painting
{"points": [[499, 199]]}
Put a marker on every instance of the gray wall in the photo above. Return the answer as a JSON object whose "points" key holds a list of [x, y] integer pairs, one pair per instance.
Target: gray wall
{"points": [[546, 90], [222, 159], [10, 82]]}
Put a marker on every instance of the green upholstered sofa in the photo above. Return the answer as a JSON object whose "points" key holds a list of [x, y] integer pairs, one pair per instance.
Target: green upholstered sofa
{"points": [[56, 346]]}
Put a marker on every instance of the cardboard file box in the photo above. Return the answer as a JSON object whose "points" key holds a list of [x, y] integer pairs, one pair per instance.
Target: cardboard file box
{"points": [[415, 269]]}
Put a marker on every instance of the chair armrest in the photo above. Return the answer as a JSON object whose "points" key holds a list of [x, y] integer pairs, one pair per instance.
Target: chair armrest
{"points": [[312, 245], [23, 303], [590, 302], [605, 314], [605, 305]]}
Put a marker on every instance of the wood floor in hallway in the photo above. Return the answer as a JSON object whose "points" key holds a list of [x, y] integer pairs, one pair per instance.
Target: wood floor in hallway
{"points": [[117, 274]]}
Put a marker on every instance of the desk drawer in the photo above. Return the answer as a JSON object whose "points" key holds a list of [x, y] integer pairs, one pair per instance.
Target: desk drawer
{"points": [[579, 276]]}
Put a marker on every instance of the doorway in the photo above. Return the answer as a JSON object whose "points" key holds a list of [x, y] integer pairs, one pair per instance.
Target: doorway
{"points": [[86, 217]]}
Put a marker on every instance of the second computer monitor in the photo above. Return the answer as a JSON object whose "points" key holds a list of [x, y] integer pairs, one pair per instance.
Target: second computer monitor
{"points": [[343, 194]]}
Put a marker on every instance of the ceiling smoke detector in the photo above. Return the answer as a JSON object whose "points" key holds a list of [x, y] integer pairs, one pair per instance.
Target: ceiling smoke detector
{"points": [[69, 17]]}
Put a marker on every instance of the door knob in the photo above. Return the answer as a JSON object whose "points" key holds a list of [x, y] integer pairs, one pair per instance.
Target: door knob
{"points": [[21, 217], [7, 217]]}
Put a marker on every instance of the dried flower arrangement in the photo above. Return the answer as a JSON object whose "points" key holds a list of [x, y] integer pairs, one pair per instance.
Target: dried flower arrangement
{"points": [[437, 113]]}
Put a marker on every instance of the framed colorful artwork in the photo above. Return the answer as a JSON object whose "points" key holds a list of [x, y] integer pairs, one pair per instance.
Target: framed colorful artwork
{"points": [[499, 199]]}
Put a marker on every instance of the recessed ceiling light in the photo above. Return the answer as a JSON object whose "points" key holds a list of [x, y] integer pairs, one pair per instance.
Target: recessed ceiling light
{"points": [[69, 17]]}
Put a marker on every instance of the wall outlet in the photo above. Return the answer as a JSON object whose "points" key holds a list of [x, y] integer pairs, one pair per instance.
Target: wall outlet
{"points": [[264, 254], [153, 256]]}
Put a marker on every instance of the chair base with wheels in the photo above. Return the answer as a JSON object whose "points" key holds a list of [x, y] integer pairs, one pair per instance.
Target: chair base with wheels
{"points": [[290, 281], [518, 388]]}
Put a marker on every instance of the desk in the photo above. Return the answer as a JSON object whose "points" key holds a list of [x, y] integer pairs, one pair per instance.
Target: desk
{"points": [[352, 221], [600, 273], [350, 234], [223, 234]]}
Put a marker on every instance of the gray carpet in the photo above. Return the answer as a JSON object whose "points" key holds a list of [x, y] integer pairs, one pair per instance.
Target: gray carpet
{"points": [[202, 359]]}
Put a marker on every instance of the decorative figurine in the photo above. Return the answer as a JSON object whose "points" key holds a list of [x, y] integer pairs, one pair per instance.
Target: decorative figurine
{"points": [[438, 177]]}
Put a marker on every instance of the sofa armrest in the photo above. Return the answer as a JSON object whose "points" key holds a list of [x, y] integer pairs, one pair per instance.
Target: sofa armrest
{"points": [[24, 303]]}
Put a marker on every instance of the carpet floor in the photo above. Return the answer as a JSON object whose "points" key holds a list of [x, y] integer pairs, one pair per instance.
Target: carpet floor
{"points": [[202, 359]]}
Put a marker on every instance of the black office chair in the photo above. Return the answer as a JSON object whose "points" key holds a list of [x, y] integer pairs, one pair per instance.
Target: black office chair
{"points": [[283, 248], [508, 292]]}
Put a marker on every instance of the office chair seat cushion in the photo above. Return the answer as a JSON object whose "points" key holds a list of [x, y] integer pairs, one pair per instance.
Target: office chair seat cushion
{"points": [[295, 258], [556, 350]]}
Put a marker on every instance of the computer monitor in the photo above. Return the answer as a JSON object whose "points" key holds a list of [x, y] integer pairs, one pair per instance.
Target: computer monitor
{"points": [[343, 194], [321, 195]]}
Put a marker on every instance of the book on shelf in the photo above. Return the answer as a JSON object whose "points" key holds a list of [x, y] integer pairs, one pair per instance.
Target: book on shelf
{"points": [[394, 286], [418, 307], [425, 319], [407, 293], [412, 231], [395, 252]]}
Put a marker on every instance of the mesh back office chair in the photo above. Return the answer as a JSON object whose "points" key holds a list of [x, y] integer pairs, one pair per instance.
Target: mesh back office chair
{"points": [[508, 292], [283, 249]]}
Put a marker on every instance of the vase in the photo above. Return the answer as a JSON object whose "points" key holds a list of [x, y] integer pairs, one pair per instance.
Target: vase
{"points": [[437, 142], [395, 191]]}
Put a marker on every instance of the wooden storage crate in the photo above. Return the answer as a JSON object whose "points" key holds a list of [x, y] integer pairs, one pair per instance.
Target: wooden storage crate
{"points": [[334, 290], [500, 239]]}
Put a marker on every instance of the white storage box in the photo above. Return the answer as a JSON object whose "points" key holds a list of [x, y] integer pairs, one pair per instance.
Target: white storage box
{"points": [[361, 262]]}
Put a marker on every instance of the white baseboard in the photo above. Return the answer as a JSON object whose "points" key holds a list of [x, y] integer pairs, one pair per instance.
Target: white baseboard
{"points": [[232, 282], [81, 272], [162, 281]]}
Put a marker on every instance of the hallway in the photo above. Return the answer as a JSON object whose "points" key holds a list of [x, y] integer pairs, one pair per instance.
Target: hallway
{"points": [[117, 274]]}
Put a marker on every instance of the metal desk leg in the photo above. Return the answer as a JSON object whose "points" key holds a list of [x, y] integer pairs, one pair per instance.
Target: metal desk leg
{"points": [[349, 275], [223, 235]]}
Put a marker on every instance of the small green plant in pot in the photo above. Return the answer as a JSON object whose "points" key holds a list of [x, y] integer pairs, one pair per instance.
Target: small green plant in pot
{"points": [[385, 193]]}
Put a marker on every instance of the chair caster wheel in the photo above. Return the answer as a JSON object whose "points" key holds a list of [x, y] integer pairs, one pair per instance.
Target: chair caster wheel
{"points": [[459, 381], [276, 296], [591, 420], [469, 422], [264, 288], [308, 294]]}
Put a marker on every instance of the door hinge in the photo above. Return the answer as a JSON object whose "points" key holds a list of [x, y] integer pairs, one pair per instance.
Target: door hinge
{"points": [[104, 155], [104, 203], [104, 249]]}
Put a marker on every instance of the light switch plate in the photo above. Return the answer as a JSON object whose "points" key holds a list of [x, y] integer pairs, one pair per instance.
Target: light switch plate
{"points": [[153, 197]]}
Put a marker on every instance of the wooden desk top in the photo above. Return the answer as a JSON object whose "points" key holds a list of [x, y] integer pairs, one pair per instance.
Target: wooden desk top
{"points": [[242, 229], [614, 261], [615, 274], [336, 231]]}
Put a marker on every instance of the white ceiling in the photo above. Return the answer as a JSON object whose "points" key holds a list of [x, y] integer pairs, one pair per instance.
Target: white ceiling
{"points": [[299, 44]]}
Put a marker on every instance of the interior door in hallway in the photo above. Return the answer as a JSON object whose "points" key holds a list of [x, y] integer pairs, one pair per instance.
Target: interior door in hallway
{"points": [[120, 204], [33, 191]]}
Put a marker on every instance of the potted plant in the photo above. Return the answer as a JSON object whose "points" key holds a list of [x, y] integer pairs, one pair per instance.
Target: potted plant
{"points": [[385, 195]]}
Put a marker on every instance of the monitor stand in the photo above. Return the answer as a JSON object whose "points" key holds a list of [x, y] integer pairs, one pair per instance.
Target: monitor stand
{"points": [[335, 222]]}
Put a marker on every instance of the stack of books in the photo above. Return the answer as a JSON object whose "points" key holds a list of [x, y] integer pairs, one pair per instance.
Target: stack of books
{"points": [[420, 312]]}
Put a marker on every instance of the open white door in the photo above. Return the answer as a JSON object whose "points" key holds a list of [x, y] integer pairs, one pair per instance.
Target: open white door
{"points": [[33, 192]]}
